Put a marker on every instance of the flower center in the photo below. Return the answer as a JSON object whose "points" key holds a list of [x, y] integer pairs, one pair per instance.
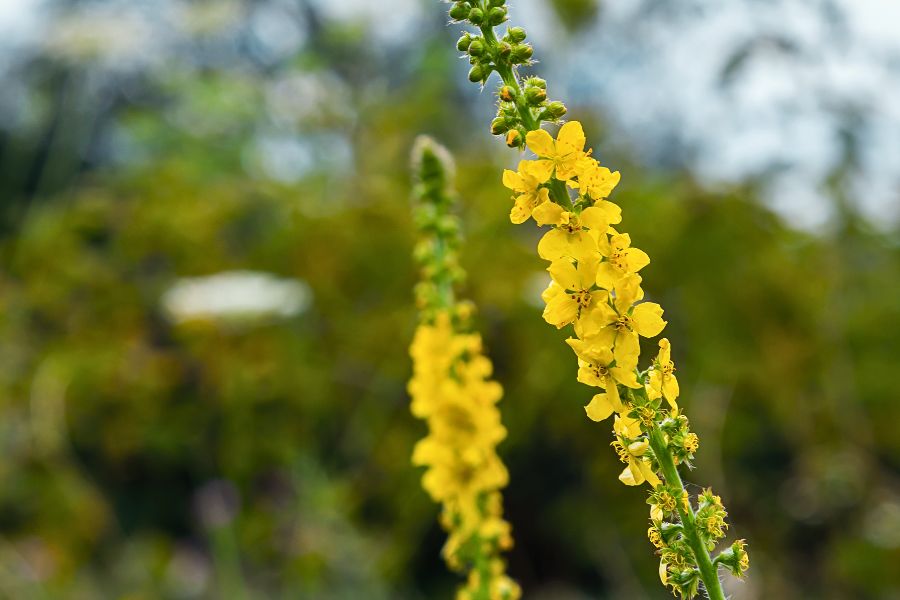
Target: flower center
{"points": [[623, 323], [581, 297], [618, 260]]}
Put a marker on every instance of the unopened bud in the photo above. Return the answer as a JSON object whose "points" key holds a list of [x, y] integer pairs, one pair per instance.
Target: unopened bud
{"points": [[509, 111], [514, 138], [536, 82], [460, 11], [499, 125], [515, 34], [553, 111], [497, 15], [478, 73], [521, 53], [506, 93], [476, 48], [462, 44], [505, 50], [476, 16], [535, 95]]}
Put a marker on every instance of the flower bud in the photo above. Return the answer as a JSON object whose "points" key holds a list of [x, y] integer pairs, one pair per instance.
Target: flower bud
{"points": [[476, 16], [515, 35], [505, 50], [478, 73], [507, 94], [521, 53], [514, 138], [499, 125], [460, 11], [497, 15], [509, 111], [476, 48], [536, 82], [535, 95], [462, 44], [554, 111]]}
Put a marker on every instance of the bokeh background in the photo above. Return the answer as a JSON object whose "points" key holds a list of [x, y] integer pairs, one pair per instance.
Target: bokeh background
{"points": [[205, 296]]}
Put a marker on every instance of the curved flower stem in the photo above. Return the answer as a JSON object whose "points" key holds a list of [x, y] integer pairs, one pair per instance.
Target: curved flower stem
{"points": [[708, 572]]}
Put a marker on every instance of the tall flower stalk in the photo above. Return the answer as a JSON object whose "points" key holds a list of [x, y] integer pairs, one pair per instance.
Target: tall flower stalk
{"points": [[452, 391], [595, 290]]}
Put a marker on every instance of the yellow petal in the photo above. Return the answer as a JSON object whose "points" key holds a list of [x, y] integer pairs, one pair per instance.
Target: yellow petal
{"points": [[553, 245], [540, 170], [631, 475], [521, 210], [670, 390], [591, 351], [626, 377], [582, 246], [627, 350], [611, 212], [647, 319], [594, 218], [608, 276], [540, 142], [564, 274], [620, 241], [648, 473], [570, 137], [656, 512], [599, 408], [665, 351], [587, 271], [560, 310], [513, 181], [549, 213], [637, 259], [638, 448]]}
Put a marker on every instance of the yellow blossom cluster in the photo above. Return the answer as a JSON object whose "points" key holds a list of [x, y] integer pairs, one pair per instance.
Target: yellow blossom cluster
{"points": [[452, 392], [595, 284]]}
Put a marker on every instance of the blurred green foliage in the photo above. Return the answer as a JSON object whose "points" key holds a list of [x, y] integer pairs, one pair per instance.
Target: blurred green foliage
{"points": [[145, 457]]}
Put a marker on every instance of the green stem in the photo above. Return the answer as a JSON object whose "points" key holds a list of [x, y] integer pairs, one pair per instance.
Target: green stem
{"points": [[708, 572], [509, 78]]}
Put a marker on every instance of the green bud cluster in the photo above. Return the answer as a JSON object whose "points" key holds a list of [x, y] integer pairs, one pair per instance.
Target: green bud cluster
{"points": [[522, 104], [437, 250]]}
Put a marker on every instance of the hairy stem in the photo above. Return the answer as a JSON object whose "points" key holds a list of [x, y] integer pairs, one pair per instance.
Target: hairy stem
{"points": [[708, 572]]}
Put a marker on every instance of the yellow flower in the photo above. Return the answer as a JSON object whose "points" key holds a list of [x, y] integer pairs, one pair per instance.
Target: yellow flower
{"points": [[569, 294], [530, 194], [594, 180], [662, 376], [597, 367], [558, 157], [631, 451], [575, 236], [621, 260], [618, 326]]}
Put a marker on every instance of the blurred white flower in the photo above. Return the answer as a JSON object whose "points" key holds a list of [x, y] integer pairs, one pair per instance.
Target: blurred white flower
{"points": [[235, 295]]}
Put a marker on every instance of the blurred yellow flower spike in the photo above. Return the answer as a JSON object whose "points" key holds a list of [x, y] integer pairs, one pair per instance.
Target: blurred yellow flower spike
{"points": [[452, 391]]}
